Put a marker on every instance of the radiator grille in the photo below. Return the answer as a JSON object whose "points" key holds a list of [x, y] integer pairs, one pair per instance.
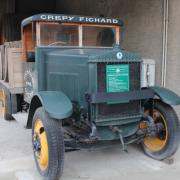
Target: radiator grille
{"points": [[128, 109]]}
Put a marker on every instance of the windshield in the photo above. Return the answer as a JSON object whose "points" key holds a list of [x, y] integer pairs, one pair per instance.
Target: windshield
{"points": [[59, 35], [98, 36], [56, 34]]}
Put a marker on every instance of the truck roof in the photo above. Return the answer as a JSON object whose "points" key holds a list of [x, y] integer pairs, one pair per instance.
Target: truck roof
{"points": [[72, 19]]}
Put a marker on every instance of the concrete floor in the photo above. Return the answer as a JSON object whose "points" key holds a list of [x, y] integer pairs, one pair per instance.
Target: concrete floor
{"points": [[110, 163]]}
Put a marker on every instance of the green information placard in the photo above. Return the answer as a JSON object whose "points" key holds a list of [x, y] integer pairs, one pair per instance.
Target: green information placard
{"points": [[117, 78]]}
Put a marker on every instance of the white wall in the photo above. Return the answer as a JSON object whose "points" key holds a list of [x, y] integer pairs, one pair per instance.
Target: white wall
{"points": [[142, 18], [173, 58]]}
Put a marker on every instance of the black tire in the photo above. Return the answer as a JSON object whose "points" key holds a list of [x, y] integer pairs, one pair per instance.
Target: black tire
{"points": [[173, 129], [55, 141], [7, 114]]}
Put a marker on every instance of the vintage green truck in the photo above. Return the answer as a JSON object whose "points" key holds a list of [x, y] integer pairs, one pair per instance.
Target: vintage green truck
{"points": [[83, 88]]}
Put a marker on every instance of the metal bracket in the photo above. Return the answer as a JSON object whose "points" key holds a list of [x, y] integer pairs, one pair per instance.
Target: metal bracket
{"points": [[115, 129], [93, 134], [122, 142]]}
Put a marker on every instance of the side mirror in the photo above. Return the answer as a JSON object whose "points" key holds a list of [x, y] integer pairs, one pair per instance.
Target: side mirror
{"points": [[30, 56]]}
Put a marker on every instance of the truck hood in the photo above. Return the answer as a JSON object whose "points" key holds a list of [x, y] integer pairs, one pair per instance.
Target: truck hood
{"points": [[98, 54]]}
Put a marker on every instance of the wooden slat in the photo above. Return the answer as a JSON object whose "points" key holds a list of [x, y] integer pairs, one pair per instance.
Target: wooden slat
{"points": [[2, 61], [18, 90], [15, 67]]}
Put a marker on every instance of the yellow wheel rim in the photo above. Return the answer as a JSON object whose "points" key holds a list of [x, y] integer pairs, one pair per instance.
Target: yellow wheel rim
{"points": [[42, 155], [156, 144], [3, 102]]}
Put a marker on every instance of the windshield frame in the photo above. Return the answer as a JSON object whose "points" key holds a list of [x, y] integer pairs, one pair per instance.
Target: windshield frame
{"points": [[80, 33]]}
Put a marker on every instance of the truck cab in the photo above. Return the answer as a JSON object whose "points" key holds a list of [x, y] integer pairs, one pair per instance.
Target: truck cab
{"points": [[69, 32], [63, 32]]}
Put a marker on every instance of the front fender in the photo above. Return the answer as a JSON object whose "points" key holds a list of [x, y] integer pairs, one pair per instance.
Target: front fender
{"points": [[166, 95], [55, 103]]}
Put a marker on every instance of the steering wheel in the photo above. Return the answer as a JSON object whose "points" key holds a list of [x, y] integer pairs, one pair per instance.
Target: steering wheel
{"points": [[58, 42]]}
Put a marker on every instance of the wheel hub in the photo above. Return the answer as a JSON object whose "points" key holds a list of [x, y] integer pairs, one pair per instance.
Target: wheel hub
{"points": [[153, 129], [156, 136], [36, 144]]}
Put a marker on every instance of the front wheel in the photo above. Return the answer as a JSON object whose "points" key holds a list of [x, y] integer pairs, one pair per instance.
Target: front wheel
{"points": [[48, 145], [166, 142]]}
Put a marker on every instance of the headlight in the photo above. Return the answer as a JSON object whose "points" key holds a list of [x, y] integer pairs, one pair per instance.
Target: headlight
{"points": [[148, 73]]}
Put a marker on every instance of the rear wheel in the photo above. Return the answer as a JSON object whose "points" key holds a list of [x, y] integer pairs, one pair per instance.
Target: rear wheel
{"points": [[48, 145], [6, 108], [166, 141]]}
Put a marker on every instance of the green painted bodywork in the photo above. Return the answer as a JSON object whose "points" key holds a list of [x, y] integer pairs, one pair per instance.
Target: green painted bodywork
{"points": [[167, 95], [56, 104], [107, 134], [118, 121], [65, 75], [111, 56]]}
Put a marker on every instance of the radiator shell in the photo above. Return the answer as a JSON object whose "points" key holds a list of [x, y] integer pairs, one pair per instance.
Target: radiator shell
{"points": [[125, 110]]}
